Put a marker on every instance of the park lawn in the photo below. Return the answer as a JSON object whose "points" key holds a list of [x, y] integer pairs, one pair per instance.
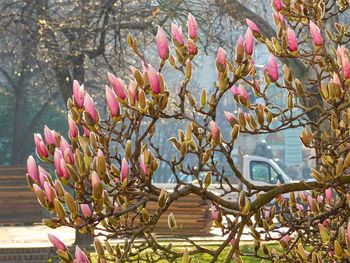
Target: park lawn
{"points": [[199, 258]]}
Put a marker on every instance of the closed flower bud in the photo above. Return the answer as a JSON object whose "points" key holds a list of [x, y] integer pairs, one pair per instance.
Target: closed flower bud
{"points": [[249, 42], [176, 33], [117, 85], [96, 186], [49, 192], [49, 136], [272, 68], [292, 41], [73, 128], [124, 170], [229, 117], [78, 94], [172, 222], [345, 65], [253, 27], [214, 130], [32, 169], [90, 107], [66, 151], [80, 256], [277, 5], [40, 146], [192, 48], [153, 77], [192, 26], [112, 102], [221, 60], [85, 210], [58, 244], [240, 50], [316, 34], [162, 44]]}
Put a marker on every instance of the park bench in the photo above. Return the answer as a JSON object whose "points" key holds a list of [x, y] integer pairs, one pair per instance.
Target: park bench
{"points": [[18, 205], [192, 214]]}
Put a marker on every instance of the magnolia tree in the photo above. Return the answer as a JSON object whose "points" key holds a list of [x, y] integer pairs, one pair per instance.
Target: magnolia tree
{"points": [[102, 179]]}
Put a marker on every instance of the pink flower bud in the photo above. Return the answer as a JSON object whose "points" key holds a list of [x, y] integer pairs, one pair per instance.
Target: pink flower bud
{"points": [[345, 64], [40, 146], [279, 19], [249, 42], [49, 136], [272, 68], [64, 169], [243, 92], [124, 170], [192, 48], [292, 41], [100, 153], [48, 192], [192, 26], [43, 176], [132, 92], [57, 162], [143, 166], [73, 128], [326, 223], [348, 231], [229, 116], [176, 33], [256, 87], [340, 53], [233, 242], [221, 59], [303, 196], [85, 210], [153, 78], [66, 151], [112, 102], [32, 169], [214, 130], [234, 90], [316, 34], [300, 207], [86, 131], [253, 26], [118, 85], [329, 195], [277, 4], [90, 107], [215, 214], [320, 199], [80, 256], [311, 203], [36, 188], [58, 244], [336, 79], [162, 44], [78, 94]]}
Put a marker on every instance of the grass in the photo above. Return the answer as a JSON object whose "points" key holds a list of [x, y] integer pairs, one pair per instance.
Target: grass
{"points": [[199, 258]]}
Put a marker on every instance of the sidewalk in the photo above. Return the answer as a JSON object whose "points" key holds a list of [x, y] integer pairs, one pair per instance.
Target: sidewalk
{"points": [[36, 236]]}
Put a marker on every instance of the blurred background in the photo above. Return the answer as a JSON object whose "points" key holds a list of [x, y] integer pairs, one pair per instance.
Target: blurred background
{"points": [[46, 44]]}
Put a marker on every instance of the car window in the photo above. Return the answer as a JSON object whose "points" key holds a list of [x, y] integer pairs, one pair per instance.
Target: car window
{"points": [[259, 171], [263, 172]]}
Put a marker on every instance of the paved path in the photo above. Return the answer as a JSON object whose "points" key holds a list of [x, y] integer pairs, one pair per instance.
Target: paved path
{"points": [[36, 236]]}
